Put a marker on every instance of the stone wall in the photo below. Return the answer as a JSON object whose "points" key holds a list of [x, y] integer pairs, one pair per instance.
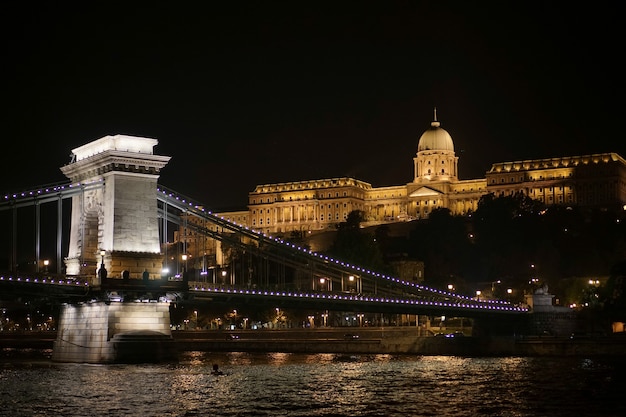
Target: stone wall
{"points": [[85, 331]]}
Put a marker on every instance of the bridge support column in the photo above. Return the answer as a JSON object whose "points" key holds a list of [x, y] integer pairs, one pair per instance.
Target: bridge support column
{"points": [[116, 332], [117, 210]]}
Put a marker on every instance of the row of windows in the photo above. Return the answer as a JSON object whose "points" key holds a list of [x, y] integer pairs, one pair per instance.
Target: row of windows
{"points": [[268, 221], [531, 178], [306, 197], [330, 206], [540, 190]]}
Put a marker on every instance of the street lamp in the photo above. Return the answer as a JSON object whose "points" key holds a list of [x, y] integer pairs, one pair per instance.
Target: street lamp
{"points": [[356, 282], [196, 313], [360, 316], [103, 271], [45, 265], [478, 292]]}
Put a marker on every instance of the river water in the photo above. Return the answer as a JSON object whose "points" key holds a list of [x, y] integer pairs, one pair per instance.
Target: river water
{"points": [[281, 384]]}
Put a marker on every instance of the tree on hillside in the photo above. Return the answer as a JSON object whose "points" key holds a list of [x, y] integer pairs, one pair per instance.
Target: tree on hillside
{"points": [[504, 229], [352, 244], [442, 243], [613, 294]]}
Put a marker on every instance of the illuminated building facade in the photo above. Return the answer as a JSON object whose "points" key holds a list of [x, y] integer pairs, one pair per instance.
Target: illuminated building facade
{"points": [[597, 181], [321, 204]]}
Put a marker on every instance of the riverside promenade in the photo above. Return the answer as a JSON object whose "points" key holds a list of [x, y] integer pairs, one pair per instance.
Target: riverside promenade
{"points": [[372, 340]]}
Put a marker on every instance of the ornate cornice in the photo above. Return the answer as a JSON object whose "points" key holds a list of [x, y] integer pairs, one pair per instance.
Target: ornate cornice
{"points": [[115, 161]]}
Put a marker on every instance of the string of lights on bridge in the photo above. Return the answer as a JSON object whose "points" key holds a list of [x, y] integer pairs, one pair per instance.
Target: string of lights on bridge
{"points": [[373, 299], [55, 188], [45, 280], [323, 296]]}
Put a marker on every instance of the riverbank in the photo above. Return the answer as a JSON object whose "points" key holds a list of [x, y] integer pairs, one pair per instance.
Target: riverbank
{"points": [[394, 340], [390, 340]]}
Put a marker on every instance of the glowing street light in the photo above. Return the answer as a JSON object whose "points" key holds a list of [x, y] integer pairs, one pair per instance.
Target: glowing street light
{"points": [[103, 271], [184, 257], [355, 282]]}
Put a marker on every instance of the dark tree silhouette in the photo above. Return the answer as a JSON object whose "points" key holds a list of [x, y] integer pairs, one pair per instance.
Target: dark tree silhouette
{"points": [[352, 244]]}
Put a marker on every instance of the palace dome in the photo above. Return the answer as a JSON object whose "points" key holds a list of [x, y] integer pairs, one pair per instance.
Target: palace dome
{"points": [[435, 138]]}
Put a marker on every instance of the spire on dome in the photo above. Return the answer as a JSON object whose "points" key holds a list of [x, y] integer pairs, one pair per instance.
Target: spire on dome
{"points": [[435, 123]]}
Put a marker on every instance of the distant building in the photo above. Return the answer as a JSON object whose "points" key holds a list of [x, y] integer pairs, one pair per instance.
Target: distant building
{"points": [[594, 181], [597, 181]]}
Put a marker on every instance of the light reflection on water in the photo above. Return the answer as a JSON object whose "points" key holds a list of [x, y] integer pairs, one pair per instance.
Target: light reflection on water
{"points": [[283, 384]]}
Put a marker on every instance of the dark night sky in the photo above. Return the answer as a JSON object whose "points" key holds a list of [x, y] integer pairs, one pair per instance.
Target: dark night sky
{"points": [[264, 92]]}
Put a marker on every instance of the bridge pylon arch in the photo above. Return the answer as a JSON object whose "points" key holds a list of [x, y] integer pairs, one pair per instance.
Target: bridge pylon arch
{"points": [[116, 224]]}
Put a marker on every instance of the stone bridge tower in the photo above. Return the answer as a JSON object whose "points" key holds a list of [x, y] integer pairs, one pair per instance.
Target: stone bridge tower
{"points": [[114, 220]]}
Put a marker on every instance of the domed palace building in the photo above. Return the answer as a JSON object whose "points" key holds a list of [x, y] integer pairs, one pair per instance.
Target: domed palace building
{"points": [[597, 181]]}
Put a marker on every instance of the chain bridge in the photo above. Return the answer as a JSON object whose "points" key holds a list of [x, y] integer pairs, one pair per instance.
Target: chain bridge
{"points": [[111, 228]]}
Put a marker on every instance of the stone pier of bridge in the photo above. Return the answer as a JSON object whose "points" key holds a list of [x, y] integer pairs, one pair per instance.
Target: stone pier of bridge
{"points": [[102, 332], [114, 233]]}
